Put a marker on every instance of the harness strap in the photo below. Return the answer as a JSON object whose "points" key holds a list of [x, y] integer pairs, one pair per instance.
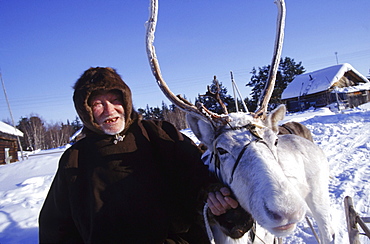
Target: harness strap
{"points": [[287, 128], [238, 160], [242, 153], [216, 161]]}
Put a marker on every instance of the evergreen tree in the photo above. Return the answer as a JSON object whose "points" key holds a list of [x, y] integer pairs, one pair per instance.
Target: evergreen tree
{"points": [[151, 113], [288, 70], [76, 124], [142, 112], [211, 104]]}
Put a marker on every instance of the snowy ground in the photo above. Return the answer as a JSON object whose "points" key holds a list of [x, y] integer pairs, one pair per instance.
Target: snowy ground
{"points": [[344, 137]]}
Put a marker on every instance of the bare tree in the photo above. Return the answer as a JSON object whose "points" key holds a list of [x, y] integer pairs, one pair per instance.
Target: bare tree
{"points": [[58, 134], [176, 116], [40, 135], [34, 132]]}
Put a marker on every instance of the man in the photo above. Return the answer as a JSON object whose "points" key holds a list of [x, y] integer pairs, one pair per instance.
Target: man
{"points": [[129, 180]]}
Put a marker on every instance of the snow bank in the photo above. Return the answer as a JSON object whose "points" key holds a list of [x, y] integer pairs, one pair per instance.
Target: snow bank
{"points": [[344, 137]]}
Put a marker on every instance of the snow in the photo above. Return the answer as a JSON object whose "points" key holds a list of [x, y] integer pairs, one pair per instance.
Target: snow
{"points": [[318, 81], [360, 87], [8, 129], [344, 137]]}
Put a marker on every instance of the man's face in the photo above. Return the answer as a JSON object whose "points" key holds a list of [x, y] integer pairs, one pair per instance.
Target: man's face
{"points": [[108, 111]]}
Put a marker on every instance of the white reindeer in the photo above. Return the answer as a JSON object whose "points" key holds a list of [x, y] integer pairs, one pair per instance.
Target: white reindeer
{"points": [[278, 179]]}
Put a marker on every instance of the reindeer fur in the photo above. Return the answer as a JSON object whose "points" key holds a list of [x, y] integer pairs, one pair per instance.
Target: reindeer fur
{"points": [[278, 180], [296, 129]]}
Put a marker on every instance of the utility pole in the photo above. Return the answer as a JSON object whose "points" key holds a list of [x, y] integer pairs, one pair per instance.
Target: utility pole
{"points": [[11, 114], [235, 87], [234, 91]]}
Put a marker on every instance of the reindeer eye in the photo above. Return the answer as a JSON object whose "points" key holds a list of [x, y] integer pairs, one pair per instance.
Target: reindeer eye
{"points": [[221, 151], [276, 142]]}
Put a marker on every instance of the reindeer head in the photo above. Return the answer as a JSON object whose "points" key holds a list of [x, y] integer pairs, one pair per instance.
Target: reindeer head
{"points": [[244, 155], [244, 146]]}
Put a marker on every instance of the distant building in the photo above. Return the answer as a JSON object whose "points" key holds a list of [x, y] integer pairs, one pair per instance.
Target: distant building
{"points": [[8, 143], [339, 84]]}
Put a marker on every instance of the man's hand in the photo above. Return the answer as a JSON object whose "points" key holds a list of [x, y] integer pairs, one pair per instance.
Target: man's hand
{"points": [[219, 202]]}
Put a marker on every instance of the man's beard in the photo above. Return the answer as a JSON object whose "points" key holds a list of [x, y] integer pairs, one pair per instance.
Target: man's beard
{"points": [[115, 128]]}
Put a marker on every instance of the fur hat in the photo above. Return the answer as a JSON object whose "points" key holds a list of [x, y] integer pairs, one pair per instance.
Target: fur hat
{"points": [[100, 79]]}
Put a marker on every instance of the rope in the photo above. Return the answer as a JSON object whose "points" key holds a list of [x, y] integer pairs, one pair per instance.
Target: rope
{"points": [[209, 230], [208, 227], [313, 230], [254, 230]]}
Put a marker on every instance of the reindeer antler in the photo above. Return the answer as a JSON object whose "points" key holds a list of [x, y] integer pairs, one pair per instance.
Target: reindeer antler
{"points": [[269, 87], [200, 110], [216, 95], [180, 102]]}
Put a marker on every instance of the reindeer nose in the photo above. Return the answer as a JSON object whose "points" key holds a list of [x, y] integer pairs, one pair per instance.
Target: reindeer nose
{"points": [[273, 215], [299, 214], [294, 216]]}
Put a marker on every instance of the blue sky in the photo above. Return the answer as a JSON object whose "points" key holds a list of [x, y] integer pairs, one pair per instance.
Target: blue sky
{"points": [[46, 45]]}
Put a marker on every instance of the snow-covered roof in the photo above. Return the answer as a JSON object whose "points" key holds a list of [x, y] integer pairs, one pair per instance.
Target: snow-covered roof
{"points": [[318, 81], [360, 87], [8, 129]]}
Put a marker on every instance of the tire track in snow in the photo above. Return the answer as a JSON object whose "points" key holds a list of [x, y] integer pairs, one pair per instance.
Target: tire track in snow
{"points": [[345, 141], [346, 145]]}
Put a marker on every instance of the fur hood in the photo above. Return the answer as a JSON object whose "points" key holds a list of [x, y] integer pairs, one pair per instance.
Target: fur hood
{"points": [[95, 79]]}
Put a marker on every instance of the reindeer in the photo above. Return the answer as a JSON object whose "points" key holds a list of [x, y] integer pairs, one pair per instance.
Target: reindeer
{"points": [[278, 179]]}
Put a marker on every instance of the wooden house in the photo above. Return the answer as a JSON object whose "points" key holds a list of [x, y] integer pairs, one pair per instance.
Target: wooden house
{"points": [[8, 143], [341, 85]]}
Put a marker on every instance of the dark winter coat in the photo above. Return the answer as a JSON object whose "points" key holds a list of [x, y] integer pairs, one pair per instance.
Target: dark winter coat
{"points": [[141, 190], [146, 188]]}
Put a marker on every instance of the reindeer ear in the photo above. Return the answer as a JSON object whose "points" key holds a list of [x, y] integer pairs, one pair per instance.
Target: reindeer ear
{"points": [[275, 116], [202, 129]]}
